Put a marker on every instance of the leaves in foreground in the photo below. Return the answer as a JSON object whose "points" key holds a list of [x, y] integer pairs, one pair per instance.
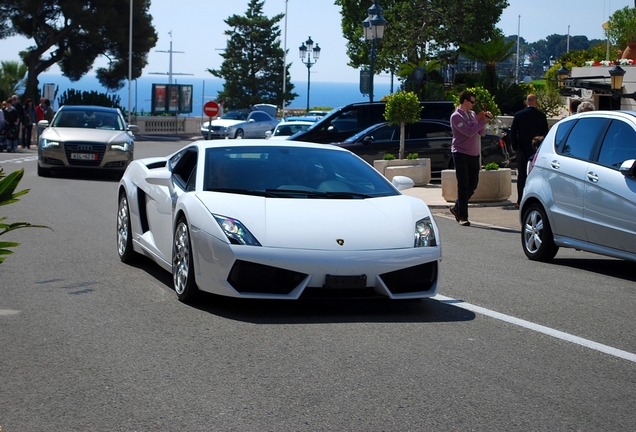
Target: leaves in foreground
{"points": [[8, 184]]}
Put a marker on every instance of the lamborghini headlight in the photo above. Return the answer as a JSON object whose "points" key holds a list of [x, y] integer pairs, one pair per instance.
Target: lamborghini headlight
{"points": [[425, 233], [50, 144], [235, 231]]}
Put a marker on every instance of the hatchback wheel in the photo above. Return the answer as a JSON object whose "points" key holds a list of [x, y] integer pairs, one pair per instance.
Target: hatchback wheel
{"points": [[536, 235], [124, 234], [182, 263]]}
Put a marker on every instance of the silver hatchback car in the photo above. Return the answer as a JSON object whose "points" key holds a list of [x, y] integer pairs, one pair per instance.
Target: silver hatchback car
{"points": [[581, 192]]}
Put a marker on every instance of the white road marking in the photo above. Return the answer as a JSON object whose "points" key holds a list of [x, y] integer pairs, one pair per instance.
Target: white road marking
{"points": [[20, 160], [8, 312], [539, 328]]}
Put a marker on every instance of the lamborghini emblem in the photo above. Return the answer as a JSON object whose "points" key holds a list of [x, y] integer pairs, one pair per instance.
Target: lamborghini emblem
{"points": [[340, 242]]}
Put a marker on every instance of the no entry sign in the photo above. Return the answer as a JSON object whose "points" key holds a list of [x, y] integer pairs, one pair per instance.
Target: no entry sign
{"points": [[211, 109]]}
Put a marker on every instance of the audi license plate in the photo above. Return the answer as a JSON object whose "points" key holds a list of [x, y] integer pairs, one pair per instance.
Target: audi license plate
{"points": [[84, 156]]}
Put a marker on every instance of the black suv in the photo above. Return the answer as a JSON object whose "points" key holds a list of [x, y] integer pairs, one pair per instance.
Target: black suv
{"points": [[341, 123], [428, 138]]}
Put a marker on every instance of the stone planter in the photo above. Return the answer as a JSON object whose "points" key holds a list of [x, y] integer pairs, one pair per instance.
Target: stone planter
{"points": [[494, 186], [418, 170]]}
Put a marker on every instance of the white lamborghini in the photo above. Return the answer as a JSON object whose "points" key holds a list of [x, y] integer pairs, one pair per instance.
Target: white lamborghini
{"points": [[280, 220]]}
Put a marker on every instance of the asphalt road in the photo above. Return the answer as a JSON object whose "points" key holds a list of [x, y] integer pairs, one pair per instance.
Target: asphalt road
{"points": [[88, 343]]}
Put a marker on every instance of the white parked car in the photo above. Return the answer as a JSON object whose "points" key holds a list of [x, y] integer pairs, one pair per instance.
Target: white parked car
{"points": [[239, 124], [85, 137], [317, 113], [282, 220], [289, 127], [581, 191]]}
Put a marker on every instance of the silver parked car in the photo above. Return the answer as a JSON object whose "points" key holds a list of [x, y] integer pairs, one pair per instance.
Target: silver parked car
{"points": [[239, 124], [581, 191], [86, 137]]}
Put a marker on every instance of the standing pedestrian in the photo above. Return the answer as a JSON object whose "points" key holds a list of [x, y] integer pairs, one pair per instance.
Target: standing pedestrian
{"points": [[574, 105], [12, 125], [585, 107], [3, 132], [30, 117], [526, 124], [39, 111], [48, 111], [20, 109], [467, 128]]}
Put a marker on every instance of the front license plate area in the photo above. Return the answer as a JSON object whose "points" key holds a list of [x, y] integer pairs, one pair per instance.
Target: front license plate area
{"points": [[346, 282], [84, 156]]}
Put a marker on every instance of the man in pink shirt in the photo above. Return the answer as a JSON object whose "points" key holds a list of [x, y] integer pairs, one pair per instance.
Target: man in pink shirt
{"points": [[467, 128]]}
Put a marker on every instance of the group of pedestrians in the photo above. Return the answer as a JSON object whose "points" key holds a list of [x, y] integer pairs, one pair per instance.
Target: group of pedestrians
{"points": [[529, 127], [17, 121]]}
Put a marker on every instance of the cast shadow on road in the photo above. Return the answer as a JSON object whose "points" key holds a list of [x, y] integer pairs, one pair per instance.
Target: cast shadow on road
{"points": [[312, 311], [332, 311], [87, 175], [615, 268]]}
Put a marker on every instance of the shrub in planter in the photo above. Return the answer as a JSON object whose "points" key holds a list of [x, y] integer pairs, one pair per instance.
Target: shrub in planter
{"points": [[401, 108]]}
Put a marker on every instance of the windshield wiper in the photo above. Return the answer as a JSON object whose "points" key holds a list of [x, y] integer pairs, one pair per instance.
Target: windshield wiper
{"points": [[244, 192], [288, 193]]}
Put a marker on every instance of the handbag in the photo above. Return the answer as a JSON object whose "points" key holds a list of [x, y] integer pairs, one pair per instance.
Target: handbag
{"points": [[12, 133]]}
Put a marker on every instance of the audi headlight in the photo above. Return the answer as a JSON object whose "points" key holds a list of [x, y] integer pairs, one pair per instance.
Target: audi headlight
{"points": [[235, 231], [425, 233], [120, 147], [50, 144]]}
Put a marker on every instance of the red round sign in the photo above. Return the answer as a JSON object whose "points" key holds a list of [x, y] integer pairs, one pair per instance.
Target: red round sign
{"points": [[211, 108]]}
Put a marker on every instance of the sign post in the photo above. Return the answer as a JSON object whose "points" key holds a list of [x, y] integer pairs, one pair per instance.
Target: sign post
{"points": [[211, 109]]}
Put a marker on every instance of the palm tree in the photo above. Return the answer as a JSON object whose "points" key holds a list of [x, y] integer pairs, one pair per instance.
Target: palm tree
{"points": [[12, 78], [496, 50]]}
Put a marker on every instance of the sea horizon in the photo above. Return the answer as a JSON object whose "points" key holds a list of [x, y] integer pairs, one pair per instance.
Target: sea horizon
{"points": [[322, 94]]}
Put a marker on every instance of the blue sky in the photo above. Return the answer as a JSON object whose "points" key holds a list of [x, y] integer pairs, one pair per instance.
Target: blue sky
{"points": [[197, 30]]}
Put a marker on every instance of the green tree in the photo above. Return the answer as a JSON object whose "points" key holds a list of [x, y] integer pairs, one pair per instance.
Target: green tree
{"points": [[496, 50], [401, 108], [418, 30], [74, 97], [423, 79], [253, 60], [622, 27], [485, 101], [74, 34], [11, 78]]}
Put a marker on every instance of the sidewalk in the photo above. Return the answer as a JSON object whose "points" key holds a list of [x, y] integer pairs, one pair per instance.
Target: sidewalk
{"points": [[496, 214]]}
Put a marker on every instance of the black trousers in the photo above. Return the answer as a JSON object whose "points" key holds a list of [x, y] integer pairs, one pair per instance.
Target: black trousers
{"points": [[467, 173], [522, 171]]}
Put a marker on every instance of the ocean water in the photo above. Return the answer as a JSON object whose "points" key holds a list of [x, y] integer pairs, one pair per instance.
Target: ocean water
{"points": [[322, 94]]}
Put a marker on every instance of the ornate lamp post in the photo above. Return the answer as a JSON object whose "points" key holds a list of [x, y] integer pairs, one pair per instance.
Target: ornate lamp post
{"points": [[305, 51], [373, 29], [562, 74]]}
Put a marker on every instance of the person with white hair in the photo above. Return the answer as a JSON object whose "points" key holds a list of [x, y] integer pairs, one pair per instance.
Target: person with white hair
{"points": [[585, 106]]}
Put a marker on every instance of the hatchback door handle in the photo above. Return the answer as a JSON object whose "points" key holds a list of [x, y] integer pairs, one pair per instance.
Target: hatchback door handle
{"points": [[555, 164], [592, 176]]}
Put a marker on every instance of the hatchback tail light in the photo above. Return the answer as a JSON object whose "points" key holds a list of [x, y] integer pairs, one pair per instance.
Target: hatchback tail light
{"points": [[533, 161]]}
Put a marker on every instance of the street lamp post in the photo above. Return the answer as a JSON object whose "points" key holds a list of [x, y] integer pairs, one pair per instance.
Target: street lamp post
{"points": [[305, 51], [373, 29]]}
